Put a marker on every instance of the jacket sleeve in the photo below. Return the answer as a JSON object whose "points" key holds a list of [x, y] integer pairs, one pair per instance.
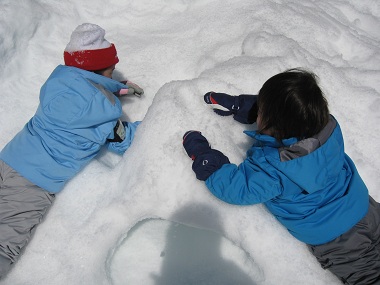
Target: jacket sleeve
{"points": [[121, 147], [245, 184]]}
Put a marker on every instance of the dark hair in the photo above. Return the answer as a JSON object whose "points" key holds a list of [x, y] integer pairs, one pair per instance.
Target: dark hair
{"points": [[291, 104], [100, 71]]}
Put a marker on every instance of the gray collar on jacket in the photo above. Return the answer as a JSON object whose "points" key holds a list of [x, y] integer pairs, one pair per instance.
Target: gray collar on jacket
{"points": [[306, 146]]}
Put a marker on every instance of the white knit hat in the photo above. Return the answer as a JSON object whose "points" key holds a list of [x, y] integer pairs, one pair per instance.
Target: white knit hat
{"points": [[89, 50]]}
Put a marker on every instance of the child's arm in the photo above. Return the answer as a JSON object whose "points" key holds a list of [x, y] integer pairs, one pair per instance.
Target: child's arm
{"points": [[245, 184], [242, 185], [122, 136], [243, 107]]}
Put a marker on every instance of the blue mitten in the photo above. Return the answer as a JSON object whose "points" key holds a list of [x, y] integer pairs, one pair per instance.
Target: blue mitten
{"points": [[243, 107]]}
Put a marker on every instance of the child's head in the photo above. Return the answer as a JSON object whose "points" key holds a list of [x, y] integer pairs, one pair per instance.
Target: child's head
{"points": [[291, 104], [89, 50]]}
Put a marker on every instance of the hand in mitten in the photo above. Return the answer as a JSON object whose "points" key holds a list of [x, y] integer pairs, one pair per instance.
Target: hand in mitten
{"points": [[118, 132], [227, 104], [195, 144], [208, 162], [133, 89], [206, 159], [243, 107]]}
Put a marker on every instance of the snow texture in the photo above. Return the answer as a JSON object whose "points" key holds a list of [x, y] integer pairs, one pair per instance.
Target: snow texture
{"points": [[87, 36]]}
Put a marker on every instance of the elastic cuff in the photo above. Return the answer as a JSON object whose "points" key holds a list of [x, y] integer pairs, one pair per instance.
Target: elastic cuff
{"points": [[5, 266]]}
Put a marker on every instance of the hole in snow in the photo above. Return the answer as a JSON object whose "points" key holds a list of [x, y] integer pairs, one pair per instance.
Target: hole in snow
{"points": [[160, 252]]}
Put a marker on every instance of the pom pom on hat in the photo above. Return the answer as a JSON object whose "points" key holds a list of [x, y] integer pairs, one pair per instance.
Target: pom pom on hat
{"points": [[89, 50]]}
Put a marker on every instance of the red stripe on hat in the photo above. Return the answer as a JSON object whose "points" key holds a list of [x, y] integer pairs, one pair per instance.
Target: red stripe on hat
{"points": [[91, 60]]}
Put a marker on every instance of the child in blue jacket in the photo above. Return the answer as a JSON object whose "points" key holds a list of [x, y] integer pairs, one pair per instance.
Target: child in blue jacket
{"points": [[298, 168], [78, 114]]}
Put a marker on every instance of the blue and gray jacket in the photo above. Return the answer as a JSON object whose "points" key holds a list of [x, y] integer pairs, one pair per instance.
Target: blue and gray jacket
{"points": [[311, 186], [76, 116]]}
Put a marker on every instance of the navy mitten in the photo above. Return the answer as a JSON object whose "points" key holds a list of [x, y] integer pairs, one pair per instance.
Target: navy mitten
{"points": [[243, 107], [206, 159], [209, 162], [195, 144]]}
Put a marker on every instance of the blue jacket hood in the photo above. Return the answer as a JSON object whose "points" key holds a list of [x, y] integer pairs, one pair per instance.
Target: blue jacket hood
{"points": [[315, 168]]}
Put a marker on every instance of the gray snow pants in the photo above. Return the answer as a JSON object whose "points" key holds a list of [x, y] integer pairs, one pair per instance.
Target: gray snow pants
{"points": [[355, 256], [22, 207]]}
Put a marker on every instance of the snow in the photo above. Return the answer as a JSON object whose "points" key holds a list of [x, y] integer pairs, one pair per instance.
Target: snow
{"points": [[177, 50], [87, 37]]}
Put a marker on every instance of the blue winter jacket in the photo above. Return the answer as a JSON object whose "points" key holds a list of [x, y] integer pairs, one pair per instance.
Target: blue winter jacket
{"points": [[75, 118], [317, 195]]}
